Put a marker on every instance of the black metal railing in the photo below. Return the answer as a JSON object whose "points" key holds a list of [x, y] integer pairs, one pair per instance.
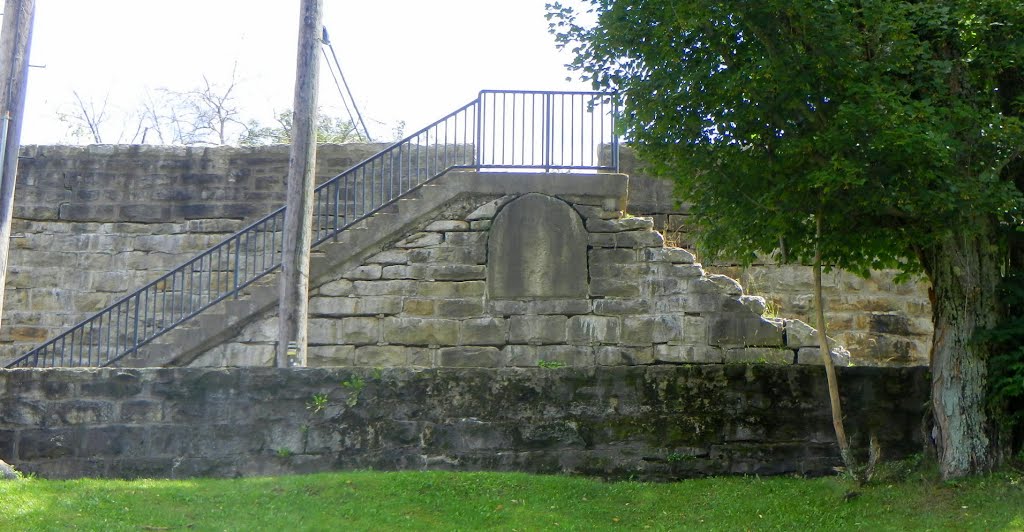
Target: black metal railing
{"points": [[498, 130]]}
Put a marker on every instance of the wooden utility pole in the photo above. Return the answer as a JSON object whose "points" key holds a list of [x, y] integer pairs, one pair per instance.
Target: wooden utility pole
{"points": [[15, 37], [298, 218]]}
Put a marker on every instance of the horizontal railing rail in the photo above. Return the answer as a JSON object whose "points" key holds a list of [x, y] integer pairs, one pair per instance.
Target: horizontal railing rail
{"points": [[499, 130]]}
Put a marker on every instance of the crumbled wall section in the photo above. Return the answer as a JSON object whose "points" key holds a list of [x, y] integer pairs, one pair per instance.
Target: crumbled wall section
{"points": [[642, 422], [880, 321], [427, 299]]}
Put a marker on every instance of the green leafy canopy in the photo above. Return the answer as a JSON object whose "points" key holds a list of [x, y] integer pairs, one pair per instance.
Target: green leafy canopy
{"points": [[894, 121]]}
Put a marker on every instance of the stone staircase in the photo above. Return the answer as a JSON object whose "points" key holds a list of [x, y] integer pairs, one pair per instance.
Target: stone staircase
{"points": [[182, 345]]}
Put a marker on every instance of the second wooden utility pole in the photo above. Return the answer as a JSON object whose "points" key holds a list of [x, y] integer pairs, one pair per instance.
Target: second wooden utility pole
{"points": [[294, 303], [15, 41]]}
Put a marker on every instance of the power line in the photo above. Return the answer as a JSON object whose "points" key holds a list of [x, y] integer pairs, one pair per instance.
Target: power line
{"points": [[326, 40]]}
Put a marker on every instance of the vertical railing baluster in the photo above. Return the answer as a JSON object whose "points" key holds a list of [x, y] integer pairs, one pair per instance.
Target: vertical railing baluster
{"points": [[135, 333]]}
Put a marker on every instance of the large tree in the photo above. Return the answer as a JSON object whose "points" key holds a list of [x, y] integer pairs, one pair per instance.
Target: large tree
{"points": [[896, 125]]}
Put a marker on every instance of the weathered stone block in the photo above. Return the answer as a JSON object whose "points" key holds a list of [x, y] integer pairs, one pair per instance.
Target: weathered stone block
{"points": [[318, 356], [489, 209], [548, 329], [598, 225], [600, 256], [629, 271], [537, 249], [237, 354], [447, 272], [447, 225], [506, 307], [351, 330], [661, 286], [384, 288], [591, 211], [483, 331], [320, 306], [671, 255], [800, 334], [141, 411], [420, 240], [450, 289], [614, 287], [688, 354], [557, 306], [755, 304], [589, 330], [812, 356], [419, 307], [460, 308], [619, 307], [727, 284], [520, 356], [739, 330], [390, 256], [120, 384], [759, 355], [466, 239], [213, 225], [397, 271], [449, 254], [570, 355], [628, 239], [367, 272], [470, 357], [420, 331], [382, 356], [607, 355], [341, 287], [79, 411], [645, 330]]}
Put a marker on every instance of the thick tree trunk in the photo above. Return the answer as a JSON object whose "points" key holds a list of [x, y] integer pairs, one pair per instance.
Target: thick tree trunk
{"points": [[964, 270]]}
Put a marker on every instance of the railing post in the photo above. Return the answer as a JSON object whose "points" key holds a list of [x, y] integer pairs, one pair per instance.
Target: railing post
{"points": [[238, 253], [135, 333], [478, 149], [615, 136], [547, 134]]}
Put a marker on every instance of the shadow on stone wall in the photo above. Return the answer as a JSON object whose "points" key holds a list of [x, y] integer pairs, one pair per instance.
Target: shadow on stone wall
{"points": [[640, 422]]}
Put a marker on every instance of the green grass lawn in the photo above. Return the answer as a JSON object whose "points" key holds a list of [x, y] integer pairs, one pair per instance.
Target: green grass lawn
{"points": [[509, 501]]}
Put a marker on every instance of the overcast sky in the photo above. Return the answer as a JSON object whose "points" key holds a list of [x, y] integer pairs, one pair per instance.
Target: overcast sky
{"points": [[411, 60]]}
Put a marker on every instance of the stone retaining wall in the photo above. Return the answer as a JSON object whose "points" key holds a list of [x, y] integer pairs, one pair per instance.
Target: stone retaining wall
{"points": [[93, 223], [642, 422]]}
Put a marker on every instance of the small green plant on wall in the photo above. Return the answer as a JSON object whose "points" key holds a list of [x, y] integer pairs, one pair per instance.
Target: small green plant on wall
{"points": [[551, 364], [355, 385], [317, 402]]}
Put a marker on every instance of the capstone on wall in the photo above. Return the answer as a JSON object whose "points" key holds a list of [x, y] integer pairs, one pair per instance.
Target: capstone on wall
{"points": [[881, 322]]}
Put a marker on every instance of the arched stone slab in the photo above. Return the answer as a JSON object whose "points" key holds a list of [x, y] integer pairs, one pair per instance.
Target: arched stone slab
{"points": [[537, 248]]}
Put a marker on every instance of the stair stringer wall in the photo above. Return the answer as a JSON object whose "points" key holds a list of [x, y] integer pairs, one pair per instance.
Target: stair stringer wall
{"points": [[419, 297]]}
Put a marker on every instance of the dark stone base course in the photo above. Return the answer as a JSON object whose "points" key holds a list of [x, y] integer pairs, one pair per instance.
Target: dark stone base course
{"points": [[644, 422]]}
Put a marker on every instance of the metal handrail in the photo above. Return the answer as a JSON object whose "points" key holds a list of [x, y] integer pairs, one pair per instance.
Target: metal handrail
{"points": [[499, 130]]}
